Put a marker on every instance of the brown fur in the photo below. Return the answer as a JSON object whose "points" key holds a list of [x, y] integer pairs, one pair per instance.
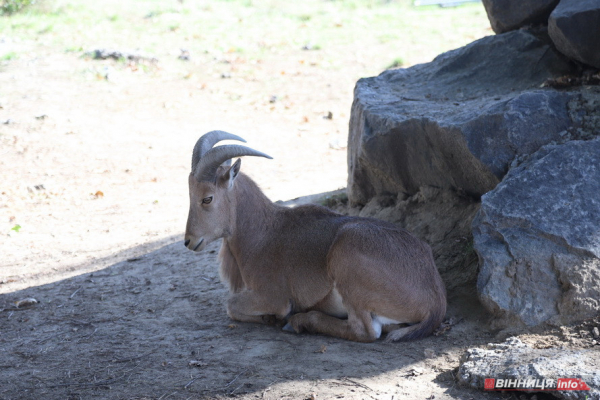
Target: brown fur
{"points": [[298, 263]]}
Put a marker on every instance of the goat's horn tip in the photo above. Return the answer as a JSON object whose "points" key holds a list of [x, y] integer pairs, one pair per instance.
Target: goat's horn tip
{"points": [[238, 138]]}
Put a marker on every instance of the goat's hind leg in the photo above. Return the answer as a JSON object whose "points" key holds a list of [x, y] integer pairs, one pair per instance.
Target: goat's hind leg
{"points": [[358, 326], [250, 306]]}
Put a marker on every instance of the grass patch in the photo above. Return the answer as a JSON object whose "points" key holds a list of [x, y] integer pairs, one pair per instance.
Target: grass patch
{"points": [[262, 30], [397, 63], [11, 55], [9, 7]]}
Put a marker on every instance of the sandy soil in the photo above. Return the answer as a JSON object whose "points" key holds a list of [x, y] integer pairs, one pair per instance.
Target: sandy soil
{"points": [[93, 171]]}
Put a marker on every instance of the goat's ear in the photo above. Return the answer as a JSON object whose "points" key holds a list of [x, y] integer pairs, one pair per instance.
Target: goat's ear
{"points": [[232, 173]]}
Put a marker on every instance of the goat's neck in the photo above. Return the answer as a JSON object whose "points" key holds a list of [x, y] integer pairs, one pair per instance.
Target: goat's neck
{"points": [[253, 216]]}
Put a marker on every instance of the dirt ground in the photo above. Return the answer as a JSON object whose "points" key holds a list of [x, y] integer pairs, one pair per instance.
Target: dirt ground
{"points": [[94, 158]]}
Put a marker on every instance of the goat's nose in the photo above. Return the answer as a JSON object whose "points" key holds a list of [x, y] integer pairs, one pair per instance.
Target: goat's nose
{"points": [[186, 242]]}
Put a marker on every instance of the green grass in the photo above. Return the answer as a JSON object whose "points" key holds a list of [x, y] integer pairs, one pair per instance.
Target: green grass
{"points": [[397, 63], [9, 56], [9, 7], [259, 29]]}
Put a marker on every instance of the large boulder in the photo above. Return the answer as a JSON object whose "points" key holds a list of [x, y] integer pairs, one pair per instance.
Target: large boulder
{"points": [[508, 15], [458, 122], [537, 235], [574, 27], [515, 360]]}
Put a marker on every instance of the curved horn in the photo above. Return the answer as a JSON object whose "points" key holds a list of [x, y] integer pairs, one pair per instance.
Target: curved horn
{"points": [[207, 167], [207, 141]]}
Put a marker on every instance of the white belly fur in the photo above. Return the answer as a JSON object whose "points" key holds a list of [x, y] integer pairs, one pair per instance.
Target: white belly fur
{"points": [[337, 309], [337, 304], [379, 322]]}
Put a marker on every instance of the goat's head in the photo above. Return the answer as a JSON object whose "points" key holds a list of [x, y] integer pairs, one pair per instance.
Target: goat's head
{"points": [[211, 182]]}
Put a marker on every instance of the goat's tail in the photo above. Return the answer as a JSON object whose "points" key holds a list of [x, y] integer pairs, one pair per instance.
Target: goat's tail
{"points": [[420, 329]]}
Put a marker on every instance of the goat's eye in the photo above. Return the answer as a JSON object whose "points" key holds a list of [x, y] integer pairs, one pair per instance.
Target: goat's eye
{"points": [[207, 200]]}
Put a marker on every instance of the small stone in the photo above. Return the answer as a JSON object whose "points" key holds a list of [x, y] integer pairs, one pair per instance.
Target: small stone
{"points": [[28, 302], [196, 363], [185, 55]]}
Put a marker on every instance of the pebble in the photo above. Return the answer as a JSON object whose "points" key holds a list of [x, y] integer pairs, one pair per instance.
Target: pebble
{"points": [[26, 302], [429, 353]]}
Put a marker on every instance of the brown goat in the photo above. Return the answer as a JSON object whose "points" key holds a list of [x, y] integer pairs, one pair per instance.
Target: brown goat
{"points": [[317, 270]]}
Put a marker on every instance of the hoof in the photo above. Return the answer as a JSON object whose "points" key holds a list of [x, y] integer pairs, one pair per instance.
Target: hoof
{"points": [[288, 328]]}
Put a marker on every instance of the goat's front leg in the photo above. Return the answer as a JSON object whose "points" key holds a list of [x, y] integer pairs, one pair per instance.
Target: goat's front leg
{"points": [[251, 306]]}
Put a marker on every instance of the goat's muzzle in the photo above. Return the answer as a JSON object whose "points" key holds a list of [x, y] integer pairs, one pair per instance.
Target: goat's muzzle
{"points": [[194, 246]]}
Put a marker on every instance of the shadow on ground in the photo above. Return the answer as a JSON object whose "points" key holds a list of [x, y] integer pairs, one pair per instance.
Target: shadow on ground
{"points": [[155, 327]]}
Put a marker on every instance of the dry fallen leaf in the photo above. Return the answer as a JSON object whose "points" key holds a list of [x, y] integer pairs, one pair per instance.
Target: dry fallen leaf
{"points": [[323, 349]]}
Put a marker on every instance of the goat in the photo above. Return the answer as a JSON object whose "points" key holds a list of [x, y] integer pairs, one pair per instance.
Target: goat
{"points": [[313, 269]]}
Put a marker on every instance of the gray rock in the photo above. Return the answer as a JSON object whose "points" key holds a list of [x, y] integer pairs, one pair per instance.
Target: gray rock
{"points": [[508, 15], [516, 360], [537, 235], [458, 122], [574, 27]]}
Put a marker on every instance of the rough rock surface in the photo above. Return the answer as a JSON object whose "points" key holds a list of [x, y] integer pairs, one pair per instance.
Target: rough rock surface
{"points": [[508, 15], [574, 27], [537, 235], [514, 359], [456, 123]]}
